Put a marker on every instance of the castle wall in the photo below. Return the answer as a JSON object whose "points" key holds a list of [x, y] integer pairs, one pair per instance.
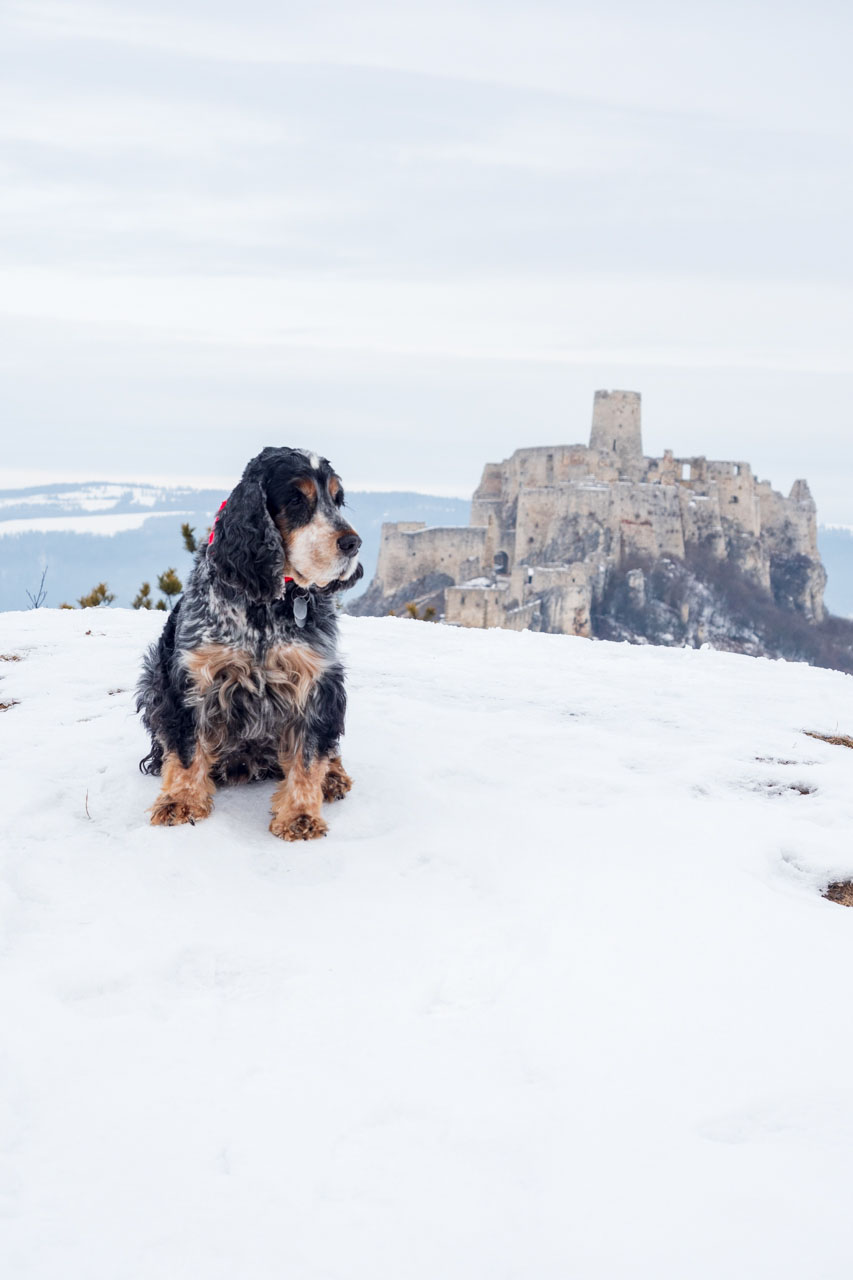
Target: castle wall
{"points": [[649, 519], [700, 520], [572, 522], [566, 523], [789, 523], [475, 606], [409, 551], [736, 494], [789, 529], [566, 596]]}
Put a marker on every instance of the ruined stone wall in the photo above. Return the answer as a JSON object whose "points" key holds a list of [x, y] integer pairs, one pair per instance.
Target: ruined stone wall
{"points": [[475, 606], [572, 522], [789, 523], [789, 535], [566, 596], [649, 519], [540, 467], [566, 523], [700, 520], [410, 551]]}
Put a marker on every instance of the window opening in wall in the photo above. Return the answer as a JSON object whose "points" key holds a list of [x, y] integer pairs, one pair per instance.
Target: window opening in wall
{"points": [[501, 562], [685, 470]]}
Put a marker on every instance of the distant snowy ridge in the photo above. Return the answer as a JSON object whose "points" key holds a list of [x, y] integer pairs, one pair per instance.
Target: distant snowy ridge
{"points": [[107, 523], [561, 963], [95, 498], [92, 497], [124, 534]]}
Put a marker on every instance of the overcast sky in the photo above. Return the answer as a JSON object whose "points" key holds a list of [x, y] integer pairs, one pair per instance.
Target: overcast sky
{"points": [[415, 237]]}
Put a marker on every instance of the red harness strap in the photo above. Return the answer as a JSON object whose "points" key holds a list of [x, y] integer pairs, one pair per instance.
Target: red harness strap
{"points": [[213, 530], [218, 514]]}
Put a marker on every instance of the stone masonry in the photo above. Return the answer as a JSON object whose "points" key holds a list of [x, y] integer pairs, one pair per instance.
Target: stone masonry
{"points": [[549, 523]]}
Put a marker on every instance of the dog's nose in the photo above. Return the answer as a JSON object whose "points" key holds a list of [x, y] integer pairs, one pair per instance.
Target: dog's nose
{"points": [[349, 543]]}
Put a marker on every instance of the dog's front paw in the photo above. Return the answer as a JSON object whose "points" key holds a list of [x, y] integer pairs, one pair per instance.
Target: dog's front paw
{"points": [[301, 826], [337, 782], [167, 812]]}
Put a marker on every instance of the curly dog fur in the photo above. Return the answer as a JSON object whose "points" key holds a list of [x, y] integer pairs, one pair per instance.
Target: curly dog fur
{"points": [[245, 681]]}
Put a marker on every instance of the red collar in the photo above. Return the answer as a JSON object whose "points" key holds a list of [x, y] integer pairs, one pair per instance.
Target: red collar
{"points": [[213, 530]]}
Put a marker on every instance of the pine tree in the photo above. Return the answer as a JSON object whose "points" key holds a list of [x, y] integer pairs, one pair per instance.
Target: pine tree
{"points": [[170, 584], [97, 596], [190, 541], [143, 598]]}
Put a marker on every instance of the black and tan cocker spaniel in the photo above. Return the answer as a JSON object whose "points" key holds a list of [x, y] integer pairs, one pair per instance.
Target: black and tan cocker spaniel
{"points": [[245, 681]]}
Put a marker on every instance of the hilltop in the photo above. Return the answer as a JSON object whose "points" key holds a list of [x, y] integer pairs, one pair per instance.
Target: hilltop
{"points": [[558, 995]]}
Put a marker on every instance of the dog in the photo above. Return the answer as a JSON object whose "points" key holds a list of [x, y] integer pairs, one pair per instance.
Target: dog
{"points": [[245, 682]]}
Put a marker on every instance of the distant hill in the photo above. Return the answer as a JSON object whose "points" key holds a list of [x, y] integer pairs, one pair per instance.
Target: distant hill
{"points": [[835, 543], [125, 534]]}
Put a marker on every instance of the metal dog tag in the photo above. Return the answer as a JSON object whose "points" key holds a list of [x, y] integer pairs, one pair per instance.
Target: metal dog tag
{"points": [[300, 611]]}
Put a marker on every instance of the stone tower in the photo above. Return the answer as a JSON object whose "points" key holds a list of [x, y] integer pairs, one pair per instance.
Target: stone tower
{"points": [[616, 425]]}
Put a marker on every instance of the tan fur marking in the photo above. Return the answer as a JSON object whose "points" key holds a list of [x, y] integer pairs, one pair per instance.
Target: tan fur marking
{"points": [[337, 781], [212, 662], [334, 487], [187, 794], [308, 487], [298, 801], [313, 554], [293, 670]]}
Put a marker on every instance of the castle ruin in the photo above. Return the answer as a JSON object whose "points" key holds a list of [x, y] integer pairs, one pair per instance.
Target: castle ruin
{"points": [[548, 524]]}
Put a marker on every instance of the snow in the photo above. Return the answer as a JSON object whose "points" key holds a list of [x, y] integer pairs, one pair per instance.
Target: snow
{"points": [[93, 497], [103, 524], [557, 997]]}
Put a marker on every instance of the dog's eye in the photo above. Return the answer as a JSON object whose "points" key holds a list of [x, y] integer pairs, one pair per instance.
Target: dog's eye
{"points": [[339, 498]]}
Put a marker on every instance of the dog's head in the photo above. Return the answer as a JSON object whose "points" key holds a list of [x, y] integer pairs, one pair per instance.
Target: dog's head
{"points": [[284, 519]]}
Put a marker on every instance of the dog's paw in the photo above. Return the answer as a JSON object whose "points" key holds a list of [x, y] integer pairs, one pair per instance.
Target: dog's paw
{"points": [[302, 826], [167, 812], [337, 782]]}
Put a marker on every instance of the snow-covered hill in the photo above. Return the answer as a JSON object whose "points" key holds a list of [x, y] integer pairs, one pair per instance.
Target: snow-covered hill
{"points": [[125, 534], [557, 997]]}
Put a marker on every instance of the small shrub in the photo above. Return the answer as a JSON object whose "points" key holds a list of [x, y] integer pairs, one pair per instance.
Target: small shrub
{"points": [[170, 584], [99, 595]]}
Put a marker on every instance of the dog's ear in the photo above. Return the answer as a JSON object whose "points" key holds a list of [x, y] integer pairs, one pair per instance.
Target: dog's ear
{"points": [[247, 550], [343, 584]]}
